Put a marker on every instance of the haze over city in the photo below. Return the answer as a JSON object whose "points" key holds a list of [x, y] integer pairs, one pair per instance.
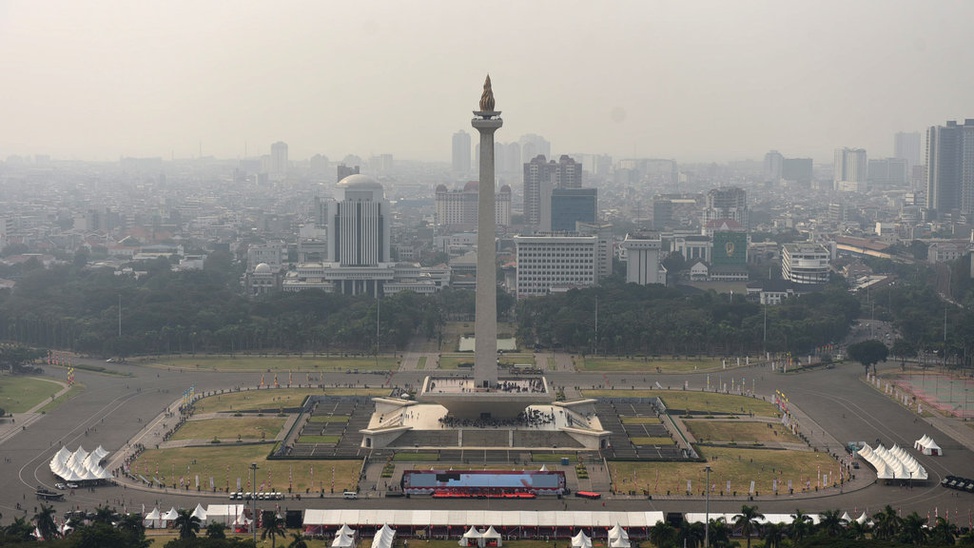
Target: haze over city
{"points": [[695, 81]]}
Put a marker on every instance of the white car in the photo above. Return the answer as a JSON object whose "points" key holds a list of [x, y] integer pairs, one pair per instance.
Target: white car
{"points": [[72, 485], [60, 486]]}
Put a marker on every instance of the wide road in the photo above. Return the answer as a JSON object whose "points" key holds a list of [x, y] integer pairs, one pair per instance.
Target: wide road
{"points": [[113, 409]]}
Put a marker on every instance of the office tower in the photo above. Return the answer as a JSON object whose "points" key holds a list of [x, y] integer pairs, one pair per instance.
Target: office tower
{"points": [[359, 237], [804, 263], [345, 171], [605, 252], [726, 203], [318, 165], [798, 170], [906, 146], [540, 178], [459, 207], [643, 258], [461, 152], [533, 145], [487, 121], [278, 166], [885, 172], [572, 205], [773, 166], [950, 168], [547, 263], [850, 170]]}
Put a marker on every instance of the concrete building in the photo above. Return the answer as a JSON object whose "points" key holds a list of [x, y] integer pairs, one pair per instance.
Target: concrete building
{"points": [[606, 242], [540, 178], [887, 172], [279, 162], [950, 169], [805, 263], [726, 203], [548, 263], [643, 259], [458, 208], [850, 170], [346, 171], [573, 205], [799, 170], [773, 166], [906, 146], [461, 152]]}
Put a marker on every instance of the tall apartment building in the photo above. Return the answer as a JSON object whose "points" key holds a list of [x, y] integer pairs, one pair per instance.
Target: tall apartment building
{"points": [[888, 172], [461, 152], [726, 203], [805, 263], [552, 263], [279, 161], [458, 208], [799, 170], [906, 146], [950, 168], [345, 171], [773, 165], [540, 178], [643, 258], [850, 170]]}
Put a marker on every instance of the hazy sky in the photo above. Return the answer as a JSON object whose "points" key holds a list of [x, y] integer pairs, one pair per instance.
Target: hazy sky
{"points": [[691, 80]]}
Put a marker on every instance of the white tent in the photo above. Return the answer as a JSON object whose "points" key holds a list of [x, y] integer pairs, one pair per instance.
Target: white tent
{"points": [[153, 520], [384, 537], [927, 446], [492, 538], [347, 531], [343, 541], [79, 465], [846, 517], [171, 515], [893, 463], [472, 537], [862, 519], [618, 537], [581, 540], [200, 513]]}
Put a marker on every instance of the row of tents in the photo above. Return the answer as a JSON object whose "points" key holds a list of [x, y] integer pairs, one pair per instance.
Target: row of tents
{"points": [[927, 446], [893, 463], [618, 538], [80, 465], [346, 537], [231, 515]]}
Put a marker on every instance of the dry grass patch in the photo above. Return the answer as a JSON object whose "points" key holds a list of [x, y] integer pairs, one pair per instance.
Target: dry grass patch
{"points": [[273, 399], [233, 461], [244, 428], [644, 365], [740, 431], [639, 420], [18, 394], [280, 364], [696, 402], [739, 466]]}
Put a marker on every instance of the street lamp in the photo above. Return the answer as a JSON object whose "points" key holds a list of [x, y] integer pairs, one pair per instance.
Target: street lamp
{"points": [[253, 499], [706, 519]]}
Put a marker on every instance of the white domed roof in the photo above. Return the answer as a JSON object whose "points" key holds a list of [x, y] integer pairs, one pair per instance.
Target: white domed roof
{"points": [[359, 181], [262, 268]]}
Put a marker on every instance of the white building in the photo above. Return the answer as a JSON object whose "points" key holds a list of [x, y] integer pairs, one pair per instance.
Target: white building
{"points": [[459, 207], [554, 263], [850, 170], [643, 259], [805, 263], [278, 167]]}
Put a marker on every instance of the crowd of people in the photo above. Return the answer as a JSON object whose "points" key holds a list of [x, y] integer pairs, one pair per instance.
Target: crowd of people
{"points": [[531, 418]]}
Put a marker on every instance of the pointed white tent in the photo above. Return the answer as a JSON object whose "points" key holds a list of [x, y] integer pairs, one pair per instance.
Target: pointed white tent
{"points": [[581, 540], [927, 446], [170, 516], [862, 519], [618, 537], [200, 513], [153, 520], [846, 517], [343, 541], [492, 537], [472, 537], [384, 537]]}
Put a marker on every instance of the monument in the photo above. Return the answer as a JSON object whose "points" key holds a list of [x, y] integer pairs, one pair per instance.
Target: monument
{"points": [[487, 411]]}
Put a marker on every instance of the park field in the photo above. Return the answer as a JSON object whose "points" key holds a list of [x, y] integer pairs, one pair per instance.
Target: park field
{"points": [[740, 431], [272, 400], [696, 402], [19, 394], [280, 364], [229, 429], [651, 365], [739, 466], [453, 360], [228, 460]]}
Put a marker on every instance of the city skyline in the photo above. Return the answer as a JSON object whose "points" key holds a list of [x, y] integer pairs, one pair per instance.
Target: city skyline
{"points": [[637, 80]]}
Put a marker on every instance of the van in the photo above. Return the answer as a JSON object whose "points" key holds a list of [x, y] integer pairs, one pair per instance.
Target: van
{"points": [[350, 495]]}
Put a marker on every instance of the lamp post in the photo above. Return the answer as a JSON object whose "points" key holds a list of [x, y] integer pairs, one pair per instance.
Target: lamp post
{"points": [[253, 501], [706, 519]]}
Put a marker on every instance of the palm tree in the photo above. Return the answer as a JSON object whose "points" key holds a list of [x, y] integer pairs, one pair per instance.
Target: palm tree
{"points": [[748, 521], [103, 514], [774, 533], [831, 522], [187, 524], [801, 526], [216, 530], [887, 524], [19, 530], [44, 520], [914, 529], [943, 532], [662, 534], [719, 533], [691, 535], [856, 530], [273, 527], [297, 541], [133, 525]]}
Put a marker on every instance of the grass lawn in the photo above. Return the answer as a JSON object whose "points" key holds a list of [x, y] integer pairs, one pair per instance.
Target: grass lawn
{"points": [[453, 361], [273, 399], [427, 457], [233, 461], [705, 402], [740, 466], [639, 420], [19, 394], [75, 389], [421, 363], [328, 418], [247, 428], [552, 457], [279, 364], [649, 365], [740, 431]]}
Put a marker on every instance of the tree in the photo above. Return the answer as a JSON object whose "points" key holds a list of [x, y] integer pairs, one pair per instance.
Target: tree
{"points": [[297, 541], [691, 534], [903, 349], [216, 530], [868, 353], [943, 532], [914, 529], [44, 521], [19, 530], [831, 523], [662, 534], [886, 524], [801, 526], [187, 524], [719, 533], [774, 534], [133, 525], [273, 527], [748, 521]]}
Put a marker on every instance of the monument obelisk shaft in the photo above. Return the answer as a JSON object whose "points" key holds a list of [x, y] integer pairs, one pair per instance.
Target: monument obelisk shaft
{"points": [[487, 121]]}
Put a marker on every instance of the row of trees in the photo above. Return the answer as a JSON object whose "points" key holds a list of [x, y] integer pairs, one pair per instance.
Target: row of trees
{"points": [[618, 318], [886, 528]]}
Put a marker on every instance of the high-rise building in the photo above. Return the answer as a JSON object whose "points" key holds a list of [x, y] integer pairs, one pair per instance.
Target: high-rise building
{"points": [[886, 172], [540, 178], [643, 258], [950, 168], [345, 171], [805, 263], [458, 208], [798, 170], [534, 145], [850, 169], [773, 165], [278, 166], [726, 203], [548, 263], [461, 152], [572, 205], [906, 146]]}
